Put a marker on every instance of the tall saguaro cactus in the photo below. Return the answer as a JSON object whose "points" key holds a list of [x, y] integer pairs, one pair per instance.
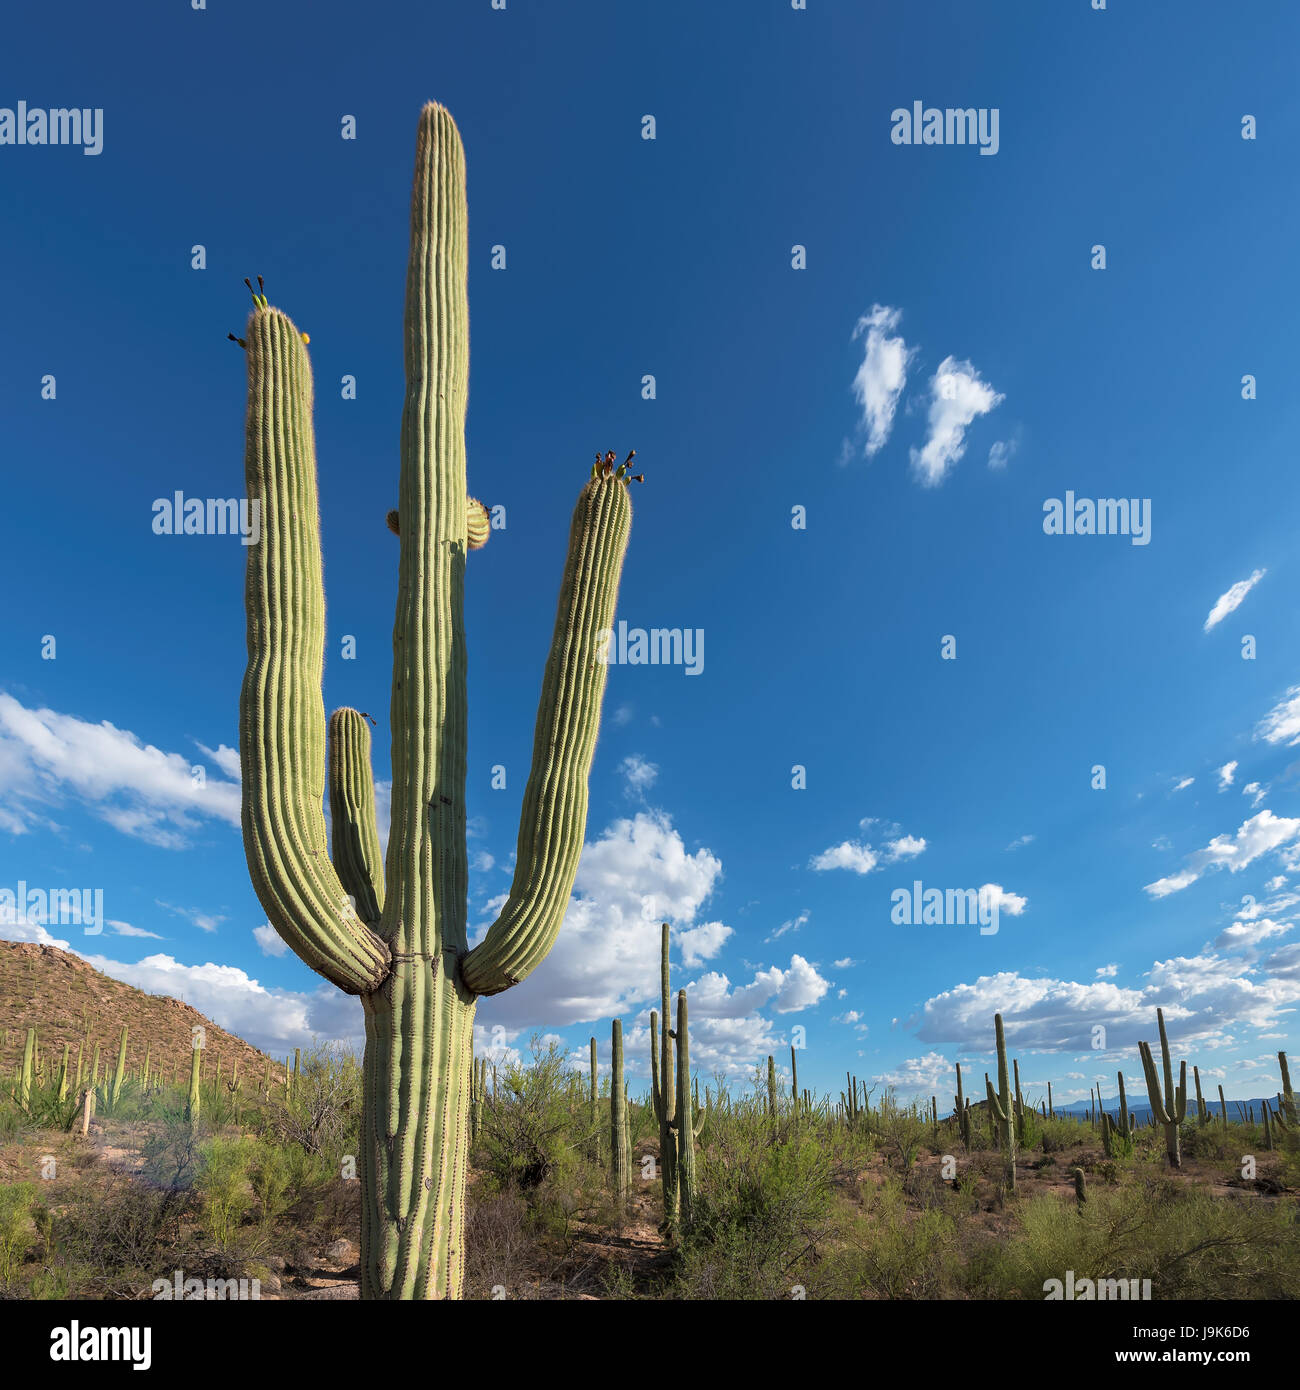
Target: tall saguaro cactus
{"points": [[1172, 1110], [396, 934], [620, 1171], [1002, 1107]]}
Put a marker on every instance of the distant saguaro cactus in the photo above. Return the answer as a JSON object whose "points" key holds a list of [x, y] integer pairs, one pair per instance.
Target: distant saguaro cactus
{"points": [[620, 1170], [1170, 1111], [396, 933], [1002, 1107]]}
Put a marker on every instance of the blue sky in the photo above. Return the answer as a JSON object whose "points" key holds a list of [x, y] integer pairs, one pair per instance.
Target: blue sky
{"points": [[947, 360]]}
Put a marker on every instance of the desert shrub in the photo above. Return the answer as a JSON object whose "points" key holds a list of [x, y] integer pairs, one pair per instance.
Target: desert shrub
{"points": [[222, 1185], [900, 1130], [1208, 1141], [121, 1233], [762, 1211], [271, 1176], [323, 1115], [1189, 1243], [889, 1251], [498, 1238], [16, 1202], [526, 1122]]}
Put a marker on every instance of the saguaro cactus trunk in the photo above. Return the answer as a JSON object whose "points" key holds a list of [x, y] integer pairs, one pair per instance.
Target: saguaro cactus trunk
{"points": [[396, 934]]}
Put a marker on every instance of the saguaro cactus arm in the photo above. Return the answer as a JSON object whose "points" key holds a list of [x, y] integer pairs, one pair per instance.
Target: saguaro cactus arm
{"points": [[355, 833], [554, 815], [281, 710]]}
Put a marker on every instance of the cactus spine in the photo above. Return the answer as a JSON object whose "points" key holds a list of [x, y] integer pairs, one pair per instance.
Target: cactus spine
{"points": [[620, 1170], [1172, 1111], [1002, 1107], [397, 935]]}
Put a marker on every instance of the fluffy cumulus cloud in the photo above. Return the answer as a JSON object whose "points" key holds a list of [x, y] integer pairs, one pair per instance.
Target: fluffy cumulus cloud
{"points": [[931, 1075], [605, 962], [958, 397], [269, 941], [638, 874], [1250, 933], [48, 759], [860, 857], [1258, 835], [882, 375], [1226, 773], [698, 944], [1204, 999], [1230, 601]]}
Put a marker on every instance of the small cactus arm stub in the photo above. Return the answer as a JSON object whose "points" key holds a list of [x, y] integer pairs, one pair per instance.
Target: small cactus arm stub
{"points": [[395, 932]]}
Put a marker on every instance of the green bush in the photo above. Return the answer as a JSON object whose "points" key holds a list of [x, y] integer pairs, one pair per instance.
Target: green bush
{"points": [[16, 1202], [223, 1186]]}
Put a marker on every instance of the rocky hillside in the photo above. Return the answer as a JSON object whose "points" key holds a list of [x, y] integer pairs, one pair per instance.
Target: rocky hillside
{"points": [[68, 1001]]}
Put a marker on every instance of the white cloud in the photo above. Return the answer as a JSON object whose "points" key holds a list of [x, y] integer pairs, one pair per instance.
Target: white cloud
{"points": [[1021, 842], [47, 757], [1226, 773], [1001, 452], [957, 397], [1282, 723], [1230, 601], [205, 921], [1107, 972], [1255, 792], [638, 775], [1184, 782], [606, 958], [1258, 835], [1245, 932], [993, 897], [844, 963], [931, 1075], [270, 941], [126, 929], [623, 715], [481, 861], [698, 944], [861, 859], [794, 924], [882, 376]]}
